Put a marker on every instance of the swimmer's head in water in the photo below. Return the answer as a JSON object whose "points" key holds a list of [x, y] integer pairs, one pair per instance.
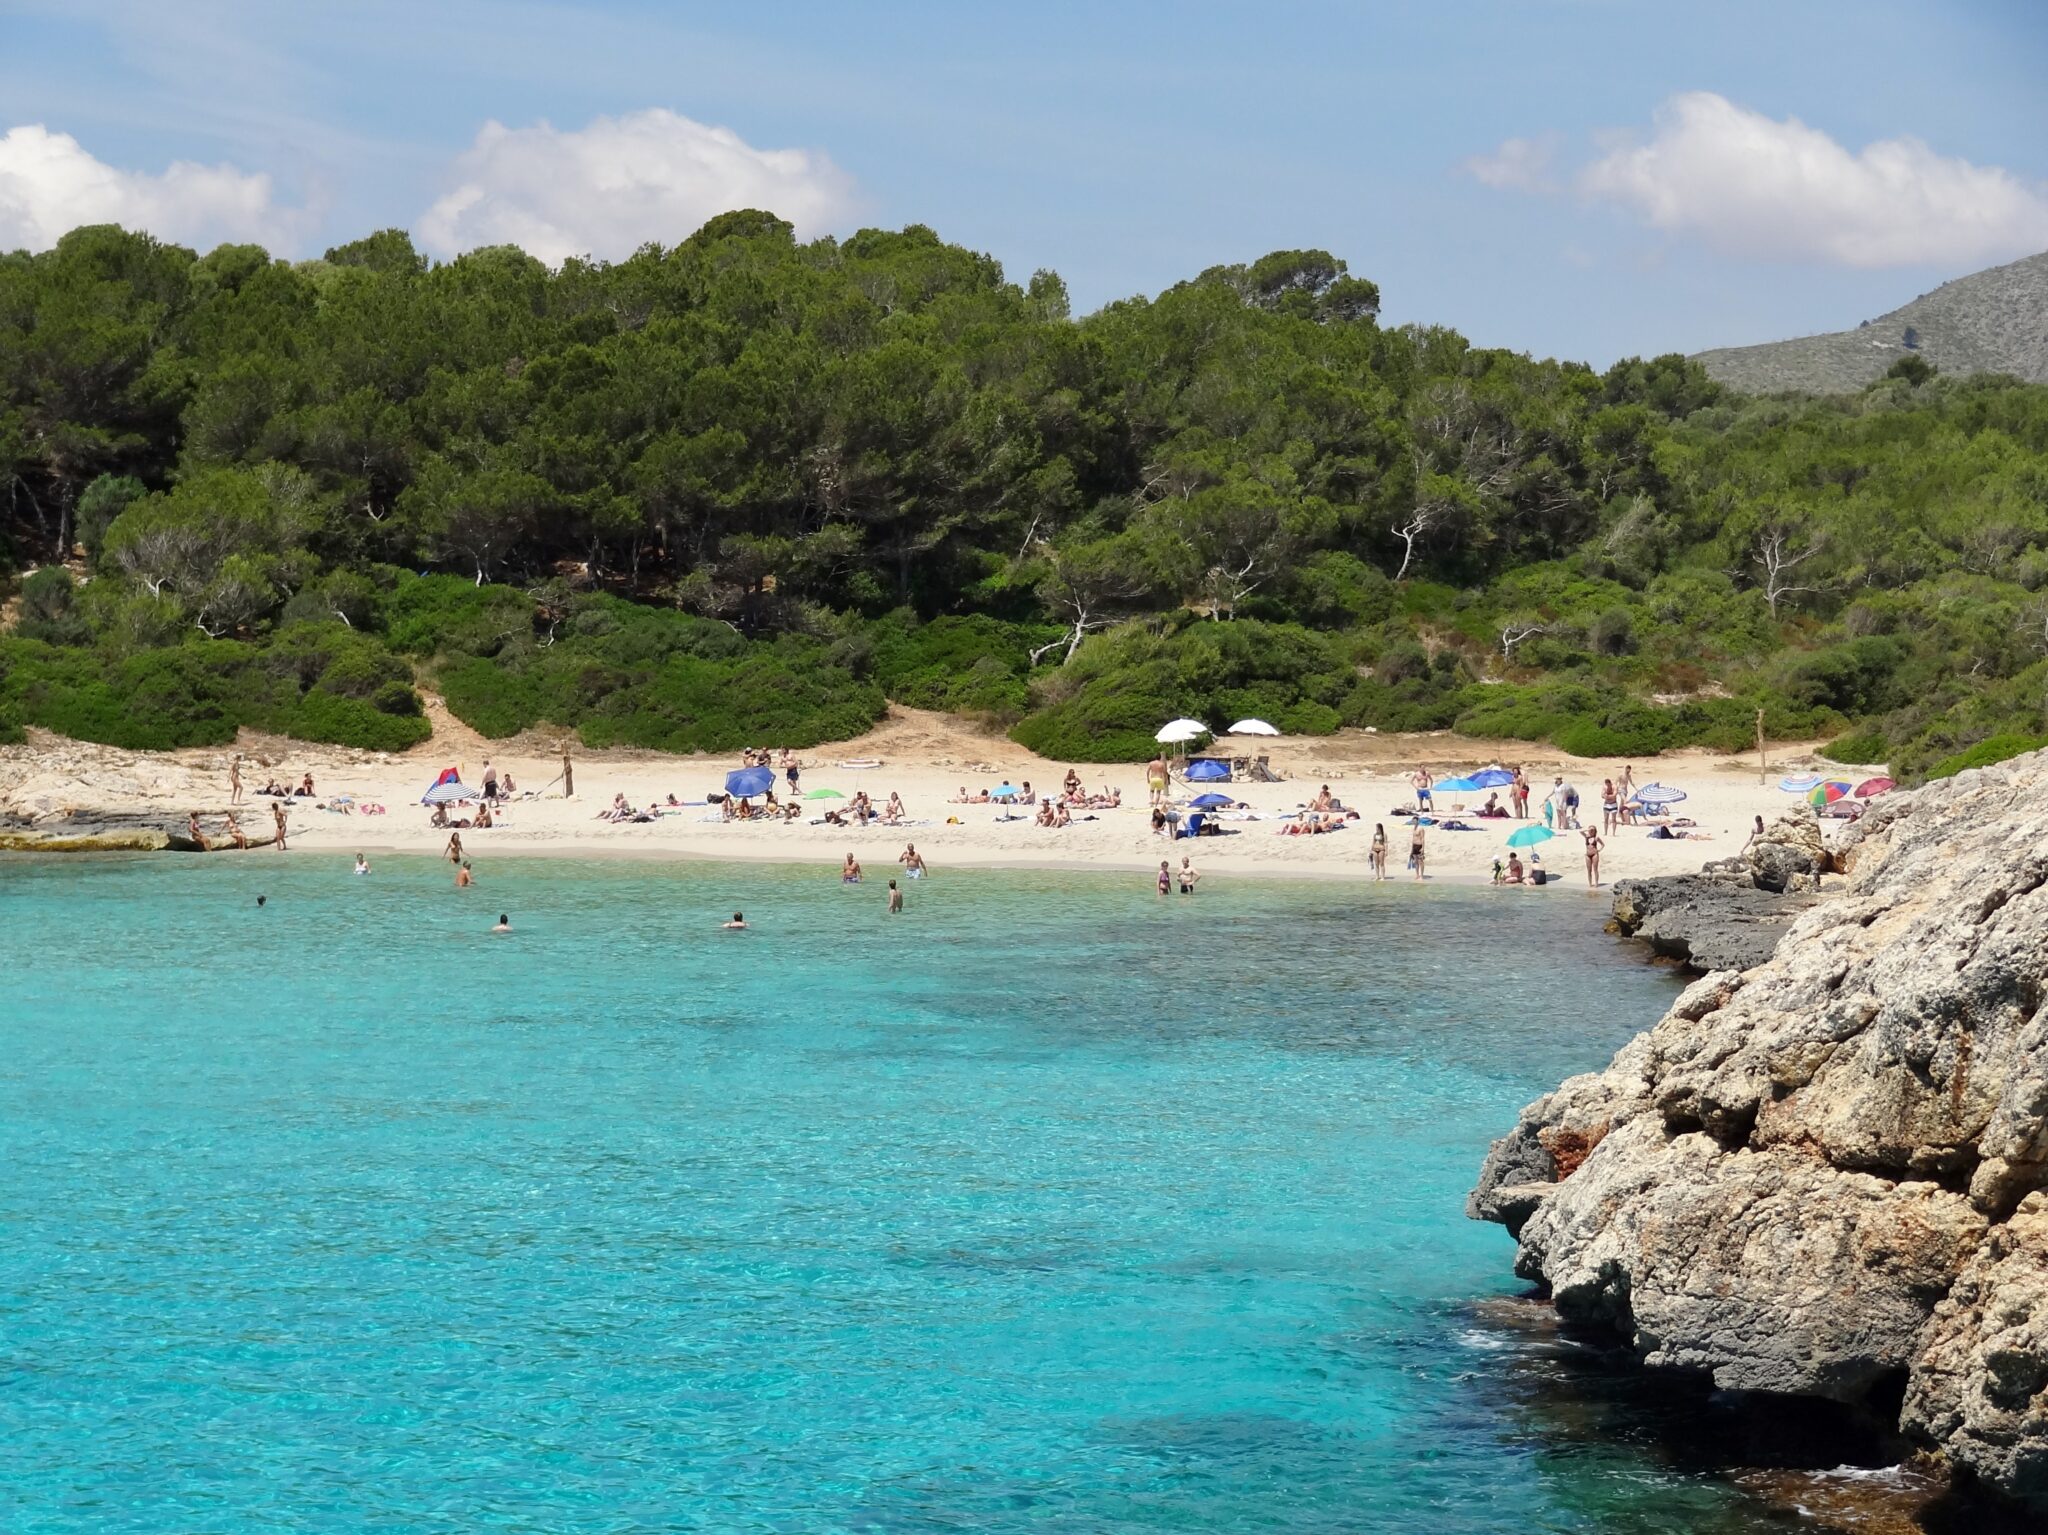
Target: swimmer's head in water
{"points": [[261, 899], [503, 920], [737, 917]]}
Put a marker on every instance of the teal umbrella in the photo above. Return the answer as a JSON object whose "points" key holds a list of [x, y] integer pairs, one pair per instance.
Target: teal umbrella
{"points": [[1529, 836]]}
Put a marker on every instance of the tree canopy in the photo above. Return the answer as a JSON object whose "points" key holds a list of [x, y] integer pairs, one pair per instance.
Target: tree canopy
{"points": [[632, 498]]}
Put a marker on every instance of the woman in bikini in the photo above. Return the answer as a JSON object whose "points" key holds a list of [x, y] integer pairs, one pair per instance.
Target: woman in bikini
{"points": [[1165, 877], [453, 851], [1378, 856], [1593, 846]]}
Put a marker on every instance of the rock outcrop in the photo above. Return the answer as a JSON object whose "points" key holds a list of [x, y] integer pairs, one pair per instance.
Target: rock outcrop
{"points": [[1827, 1175], [1731, 914]]}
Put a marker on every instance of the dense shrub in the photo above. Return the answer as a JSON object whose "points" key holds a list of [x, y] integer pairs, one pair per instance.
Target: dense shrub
{"points": [[1985, 753], [1858, 747]]}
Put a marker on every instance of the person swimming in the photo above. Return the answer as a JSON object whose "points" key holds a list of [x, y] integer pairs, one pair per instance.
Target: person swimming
{"points": [[738, 922], [504, 924]]}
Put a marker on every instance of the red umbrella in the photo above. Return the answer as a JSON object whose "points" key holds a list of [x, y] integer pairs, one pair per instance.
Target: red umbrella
{"points": [[1870, 788]]}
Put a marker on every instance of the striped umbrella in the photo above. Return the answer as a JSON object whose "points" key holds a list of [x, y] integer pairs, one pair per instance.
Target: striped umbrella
{"points": [[1798, 783]]}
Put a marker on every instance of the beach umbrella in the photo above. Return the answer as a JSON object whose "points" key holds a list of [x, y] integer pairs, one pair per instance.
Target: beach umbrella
{"points": [[1798, 783], [1208, 770], [1456, 785], [1530, 835], [1658, 794], [1211, 801], [1173, 732], [448, 792], [1005, 791], [745, 783], [824, 794], [1252, 728], [1870, 788], [1827, 793], [1491, 778]]}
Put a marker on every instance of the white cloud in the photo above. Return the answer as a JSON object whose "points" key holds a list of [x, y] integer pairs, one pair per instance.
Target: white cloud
{"points": [[1519, 165], [608, 189], [50, 184], [1750, 185]]}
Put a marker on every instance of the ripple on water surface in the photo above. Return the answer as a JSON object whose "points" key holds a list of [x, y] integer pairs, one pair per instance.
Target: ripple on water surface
{"points": [[1046, 1205]]}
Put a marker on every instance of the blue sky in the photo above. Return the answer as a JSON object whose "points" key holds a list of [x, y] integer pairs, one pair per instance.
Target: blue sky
{"points": [[1660, 199]]}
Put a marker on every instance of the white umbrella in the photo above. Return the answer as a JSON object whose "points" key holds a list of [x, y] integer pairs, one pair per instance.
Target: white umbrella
{"points": [[1176, 731], [1252, 728]]}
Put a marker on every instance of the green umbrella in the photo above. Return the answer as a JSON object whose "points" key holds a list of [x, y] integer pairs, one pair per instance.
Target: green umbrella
{"points": [[1529, 836], [824, 794]]}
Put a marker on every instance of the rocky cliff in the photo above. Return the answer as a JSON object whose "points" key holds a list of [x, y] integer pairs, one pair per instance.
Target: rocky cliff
{"points": [[1828, 1175]]}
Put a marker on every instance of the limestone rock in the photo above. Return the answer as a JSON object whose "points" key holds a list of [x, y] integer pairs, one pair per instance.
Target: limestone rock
{"points": [[1981, 1386], [1829, 1170]]}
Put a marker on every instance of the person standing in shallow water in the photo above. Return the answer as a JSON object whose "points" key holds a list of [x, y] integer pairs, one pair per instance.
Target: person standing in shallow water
{"points": [[895, 899], [463, 878], [1188, 876], [1165, 877], [1593, 846]]}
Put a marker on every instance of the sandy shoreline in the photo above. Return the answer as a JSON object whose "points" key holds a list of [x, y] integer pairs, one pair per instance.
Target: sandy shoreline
{"points": [[925, 758]]}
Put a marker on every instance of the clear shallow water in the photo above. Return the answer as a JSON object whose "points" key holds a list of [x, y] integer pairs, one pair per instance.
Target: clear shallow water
{"points": [[1045, 1206]]}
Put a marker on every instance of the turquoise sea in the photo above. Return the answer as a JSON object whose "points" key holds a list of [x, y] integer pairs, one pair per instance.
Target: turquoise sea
{"points": [[1047, 1205]]}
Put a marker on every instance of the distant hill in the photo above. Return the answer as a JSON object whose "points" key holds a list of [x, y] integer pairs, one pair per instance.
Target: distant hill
{"points": [[1989, 322]]}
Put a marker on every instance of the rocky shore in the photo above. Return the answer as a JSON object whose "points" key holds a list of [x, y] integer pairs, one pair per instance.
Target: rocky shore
{"points": [[1731, 914], [1826, 1174]]}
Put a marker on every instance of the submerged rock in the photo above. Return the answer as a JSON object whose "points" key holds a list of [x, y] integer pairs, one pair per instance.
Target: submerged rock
{"points": [[1827, 1174]]}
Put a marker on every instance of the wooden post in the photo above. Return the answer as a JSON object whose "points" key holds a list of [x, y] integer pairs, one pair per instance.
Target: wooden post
{"points": [[1763, 772]]}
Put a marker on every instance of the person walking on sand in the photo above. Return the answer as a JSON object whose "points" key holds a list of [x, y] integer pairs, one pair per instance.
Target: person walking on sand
{"points": [[1188, 875], [235, 780], [277, 815], [1425, 792], [1593, 846], [1415, 848], [463, 878], [1165, 877], [1377, 856], [1155, 778], [895, 899]]}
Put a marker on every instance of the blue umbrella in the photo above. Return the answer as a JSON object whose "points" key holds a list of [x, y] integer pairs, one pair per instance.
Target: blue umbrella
{"points": [[1529, 836], [1006, 791], [1208, 770], [1492, 778], [1456, 785], [1211, 801], [1658, 794], [745, 783], [1799, 783]]}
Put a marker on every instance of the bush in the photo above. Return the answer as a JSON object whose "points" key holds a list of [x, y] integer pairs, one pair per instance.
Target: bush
{"points": [[1985, 753], [1858, 747]]}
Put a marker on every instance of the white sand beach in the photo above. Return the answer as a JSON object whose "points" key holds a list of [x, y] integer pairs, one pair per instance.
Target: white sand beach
{"points": [[927, 759]]}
